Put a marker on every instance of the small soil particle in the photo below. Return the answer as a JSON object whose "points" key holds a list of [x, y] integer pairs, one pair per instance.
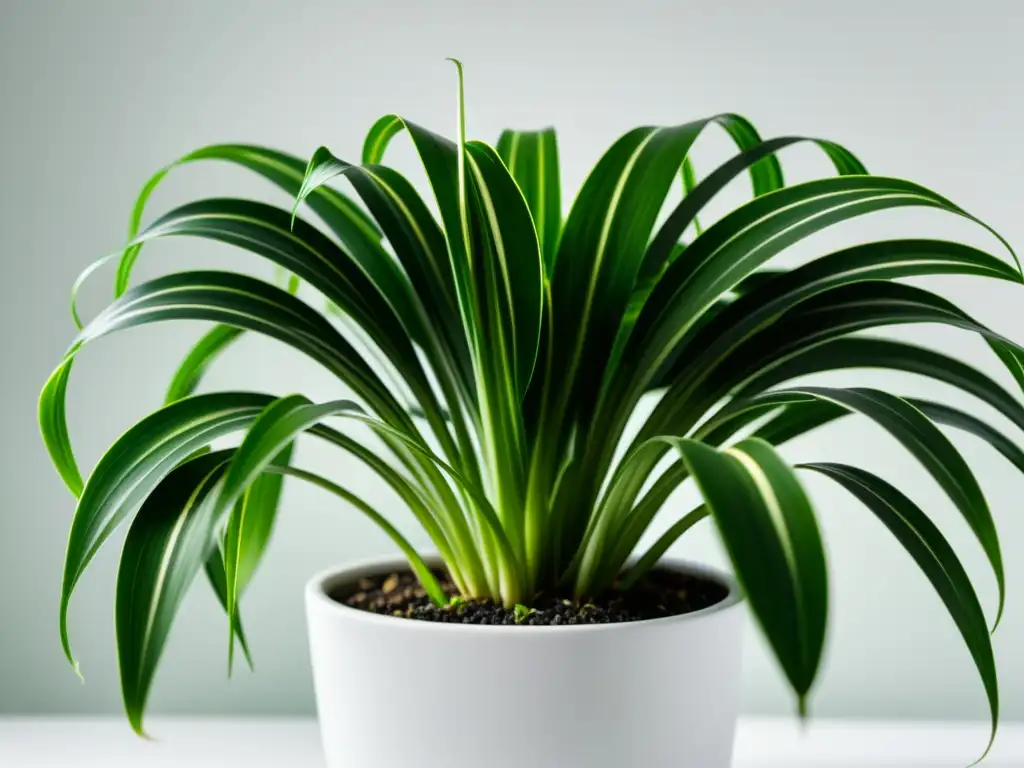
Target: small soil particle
{"points": [[662, 593]]}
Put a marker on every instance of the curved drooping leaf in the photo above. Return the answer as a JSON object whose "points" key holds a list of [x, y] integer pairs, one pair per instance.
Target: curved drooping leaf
{"points": [[770, 534], [929, 446], [735, 247], [248, 525], [356, 230], [244, 302], [186, 378], [766, 297], [657, 257], [136, 464], [167, 545], [936, 558], [747, 238], [869, 352], [723, 365], [603, 245]]}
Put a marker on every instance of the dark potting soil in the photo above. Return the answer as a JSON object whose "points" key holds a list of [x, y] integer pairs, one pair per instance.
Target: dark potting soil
{"points": [[662, 593]]}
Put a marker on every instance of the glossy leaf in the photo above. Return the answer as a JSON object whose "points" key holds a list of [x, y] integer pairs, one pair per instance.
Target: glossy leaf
{"points": [[532, 159], [167, 545], [936, 558], [769, 531], [135, 466], [929, 446]]}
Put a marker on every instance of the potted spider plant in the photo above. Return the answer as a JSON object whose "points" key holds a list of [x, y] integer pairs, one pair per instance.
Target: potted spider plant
{"points": [[497, 352]]}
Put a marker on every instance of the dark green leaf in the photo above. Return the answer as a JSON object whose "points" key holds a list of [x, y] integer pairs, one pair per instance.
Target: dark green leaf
{"points": [[929, 446], [136, 464], [936, 558], [532, 159], [166, 546]]}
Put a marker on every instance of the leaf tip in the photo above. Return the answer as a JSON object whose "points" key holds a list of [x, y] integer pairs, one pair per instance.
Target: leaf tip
{"points": [[135, 721], [801, 709]]}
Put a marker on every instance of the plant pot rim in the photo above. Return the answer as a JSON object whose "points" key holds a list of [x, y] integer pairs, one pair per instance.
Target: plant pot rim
{"points": [[318, 588]]}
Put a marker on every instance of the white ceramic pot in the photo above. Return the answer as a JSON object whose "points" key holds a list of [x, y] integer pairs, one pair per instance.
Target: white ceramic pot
{"points": [[399, 693]]}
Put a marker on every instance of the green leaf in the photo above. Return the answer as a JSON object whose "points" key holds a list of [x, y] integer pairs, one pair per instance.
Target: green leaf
{"points": [[167, 544], [136, 464], [944, 414], [511, 262], [867, 352], [747, 238], [250, 524], [765, 178], [53, 424], [603, 246], [936, 558], [532, 159], [770, 534], [266, 443], [416, 562], [214, 568], [929, 446], [193, 367], [651, 557], [343, 217]]}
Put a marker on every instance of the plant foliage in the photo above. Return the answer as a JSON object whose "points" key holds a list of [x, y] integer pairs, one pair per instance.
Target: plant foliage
{"points": [[522, 344]]}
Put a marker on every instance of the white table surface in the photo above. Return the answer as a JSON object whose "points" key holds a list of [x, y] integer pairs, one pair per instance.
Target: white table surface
{"points": [[284, 743]]}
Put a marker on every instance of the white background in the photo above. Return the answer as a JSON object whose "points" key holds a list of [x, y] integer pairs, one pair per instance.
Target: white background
{"points": [[95, 96]]}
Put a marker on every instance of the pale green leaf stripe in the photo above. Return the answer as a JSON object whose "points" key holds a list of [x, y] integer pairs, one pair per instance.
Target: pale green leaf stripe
{"points": [[167, 544], [254, 512], [769, 532], [929, 446], [341, 214], [243, 302], [269, 434], [215, 575], [936, 558], [136, 464], [520, 266], [532, 159]]}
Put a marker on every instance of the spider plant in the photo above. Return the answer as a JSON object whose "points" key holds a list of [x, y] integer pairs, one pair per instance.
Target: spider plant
{"points": [[498, 350]]}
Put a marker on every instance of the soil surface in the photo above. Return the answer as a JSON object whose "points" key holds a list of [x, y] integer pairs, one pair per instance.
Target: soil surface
{"points": [[662, 593]]}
